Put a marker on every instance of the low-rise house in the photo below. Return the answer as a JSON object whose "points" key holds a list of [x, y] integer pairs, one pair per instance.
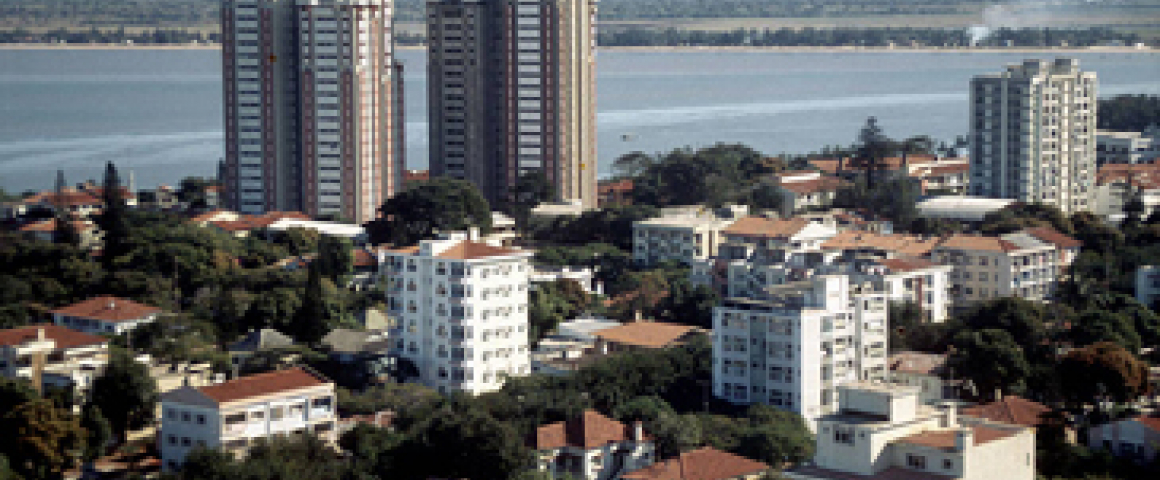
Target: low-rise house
{"points": [[53, 356], [807, 189], [234, 414], [174, 375], [1011, 409], [948, 176], [105, 315], [1148, 285], [1116, 184], [927, 371], [592, 447], [644, 335], [683, 234], [705, 463], [614, 192], [76, 203], [883, 432], [264, 340], [45, 231], [1136, 438], [346, 345]]}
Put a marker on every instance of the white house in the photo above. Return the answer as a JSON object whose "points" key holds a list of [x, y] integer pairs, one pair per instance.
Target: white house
{"points": [[883, 431], [461, 309], [233, 415], [684, 234], [66, 358], [592, 447], [105, 315], [803, 189]]}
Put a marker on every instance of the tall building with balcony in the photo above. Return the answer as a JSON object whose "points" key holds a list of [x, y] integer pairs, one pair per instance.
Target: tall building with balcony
{"points": [[313, 106], [1033, 134], [791, 345], [461, 311], [511, 88], [235, 414]]}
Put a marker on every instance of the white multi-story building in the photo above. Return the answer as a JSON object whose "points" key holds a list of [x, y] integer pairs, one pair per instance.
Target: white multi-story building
{"points": [[792, 345], [1117, 184], [592, 447], [313, 106], [755, 251], [1033, 134], [461, 311], [235, 414], [51, 355], [883, 431], [1028, 264], [684, 234], [1127, 147], [105, 315]]}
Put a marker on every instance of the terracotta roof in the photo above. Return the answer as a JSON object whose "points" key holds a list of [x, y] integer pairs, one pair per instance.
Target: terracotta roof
{"points": [[416, 175], [1141, 175], [262, 384], [64, 337], [907, 264], [765, 227], [646, 334], [908, 245], [590, 430], [940, 170], [706, 463], [961, 241], [1011, 409], [1052, 236], [107, 309], [917, 362], [469, 250], [945, 439], [50, 226], [363, 258], [892, 473], [66, 197], [624, 185], [815, 185], [210, 215], [411, 250]]}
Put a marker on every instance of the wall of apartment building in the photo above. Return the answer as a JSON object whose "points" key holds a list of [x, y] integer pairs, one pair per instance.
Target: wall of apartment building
{"points": [[1011, 457]]}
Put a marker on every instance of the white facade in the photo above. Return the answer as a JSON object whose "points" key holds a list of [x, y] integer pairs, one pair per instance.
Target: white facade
{"points": [[883, 431], [65, 358], [1033, 134], [105, 315], [686, 234], [792, 346], [1017, 264], [592, 447], [281, 402], [1127, 147], [461, 310]]}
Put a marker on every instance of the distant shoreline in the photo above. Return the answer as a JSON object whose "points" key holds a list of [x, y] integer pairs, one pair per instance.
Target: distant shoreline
{"points": [[117, 46]]}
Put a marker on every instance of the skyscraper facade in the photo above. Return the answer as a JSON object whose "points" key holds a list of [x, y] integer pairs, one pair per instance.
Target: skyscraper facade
{"points": [[313, 106], [512, 91], [1033, 134]]}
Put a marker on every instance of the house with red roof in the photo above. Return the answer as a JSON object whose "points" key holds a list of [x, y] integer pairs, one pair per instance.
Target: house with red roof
{"points": [[233, 415], [105, 315], [705, 463], [1137, 438], [807, 189], [51, 355], [592, 447]]}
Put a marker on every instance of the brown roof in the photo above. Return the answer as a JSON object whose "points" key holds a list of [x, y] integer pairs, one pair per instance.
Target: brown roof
{"points": [[621, 186], [469, 250], [363, 258], [940, 170], [945, 439], [917, 362], [892, 473], [765, 227], [1142, 175], [961, 241], [108, 309], [50, 226], [815, 185], [590, 430], [66, 197], [909, 245], [646, 334], [1010, 409], [907, 264], [262, 384], [706, 463], [64, 337], [1052, 236]]}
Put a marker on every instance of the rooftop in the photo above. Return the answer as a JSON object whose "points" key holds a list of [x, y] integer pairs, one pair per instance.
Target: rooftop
{"points": [[469, 250], [262, 384], [961, 241], [589, 430], [814, 185], [107, 309], [64, 337], [945, 439], [1010, 409], [765, 227], [907, 264], [961, 207], [917, 362], [646, 334], [908, 245], [1050, 235], [706, 463]]}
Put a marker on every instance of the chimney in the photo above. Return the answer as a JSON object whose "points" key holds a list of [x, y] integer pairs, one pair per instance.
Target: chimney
{"points": [[964, 439], [40, 334], [636, 316], [638, 431], [473, 234]]}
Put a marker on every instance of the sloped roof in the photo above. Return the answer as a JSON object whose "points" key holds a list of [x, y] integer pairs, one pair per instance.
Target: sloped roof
{"points": [[67, 197], [960, 241], [108, 309], [907, 264], [815, 185], [908, 245], [766, 227], [363, 258], [706, 463], [344, 340], [469, 250], [264, 339], [1052, 236], [64, 337], [50, 226], [646, 334], [917, 362], [590, 430], [1010, 409], [945, 439], [262, 384]]}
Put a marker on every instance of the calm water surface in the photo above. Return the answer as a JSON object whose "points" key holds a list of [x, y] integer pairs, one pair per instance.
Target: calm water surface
{"points": [[159, 114]]}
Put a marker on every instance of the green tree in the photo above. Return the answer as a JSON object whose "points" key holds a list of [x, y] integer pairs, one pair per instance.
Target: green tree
{"points": [[125, 393], [531, 189], [114, 220], [991, 360], [320, 312], [41, 440], [98, 433], [673, 433], [1103, 371], [335, 258], [443, 204], [456, 441], [776, 437], [873, 146]]}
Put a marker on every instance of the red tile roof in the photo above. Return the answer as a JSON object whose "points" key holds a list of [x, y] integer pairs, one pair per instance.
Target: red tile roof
{"points": [[977, 242], [363, 258], [619, 186], [1052, 236], [1011, 409], [646, 334], [917, 362], [50, 226], [590, 430], [945, 439], [815, 185], [907, 264], [67, 197], [107, 309], [765, 227], [706, 463], [262, 384], [909, 245], [64, 337], [469, 250]]}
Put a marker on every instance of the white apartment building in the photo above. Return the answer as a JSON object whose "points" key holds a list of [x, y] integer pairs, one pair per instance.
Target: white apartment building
{"points": [[755, 251], [592, 447], [882, 431], [792, 345], [51, 355], [1033, 134], [461, 311], [105, 315], [1127, 147], [684, 234], [313, 106], [235, 414], [1028, 264], [1119, 183], [927, 371], [904, 279]]}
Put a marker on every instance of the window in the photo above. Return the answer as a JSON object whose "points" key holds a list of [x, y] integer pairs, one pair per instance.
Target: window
{"points": [[171, 439], [185, 441], [948, 464], [916, 461], [845, 436], [201, 419], [185, 417]]}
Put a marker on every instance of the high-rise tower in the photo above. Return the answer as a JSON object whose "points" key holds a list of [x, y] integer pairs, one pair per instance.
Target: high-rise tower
{"points": [[511, 91], [1033, 134], [313, 106]]}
